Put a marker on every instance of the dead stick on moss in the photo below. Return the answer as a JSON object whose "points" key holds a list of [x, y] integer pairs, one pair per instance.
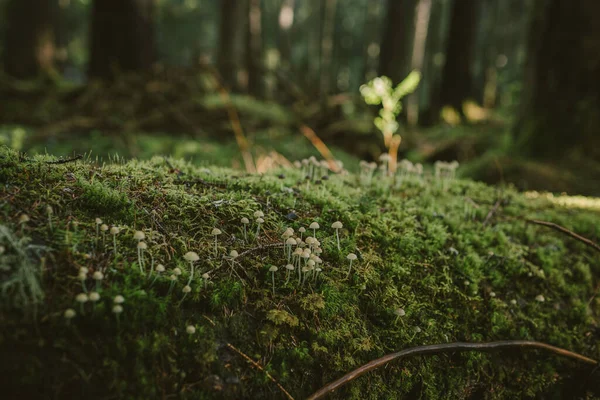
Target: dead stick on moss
{"points": [[257, 365], [66, 160], [492, 212], [445, 348], [564, 230]]}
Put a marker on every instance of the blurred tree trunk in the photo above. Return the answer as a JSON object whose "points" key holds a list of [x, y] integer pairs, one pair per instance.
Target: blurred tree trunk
{"points": [[29, 42], [457, 77], [396, 44], [122, 37], [328, 8], [232, 42], [560, 104], [372, 34], [431, 82], [254, 49], [417, 62]]}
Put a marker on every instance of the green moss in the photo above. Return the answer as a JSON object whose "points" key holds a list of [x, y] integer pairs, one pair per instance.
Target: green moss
{"points": [[456, 277]]}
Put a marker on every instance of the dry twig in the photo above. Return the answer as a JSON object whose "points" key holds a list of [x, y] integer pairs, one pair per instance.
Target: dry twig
{"points": [[564, 230], [444, 348], [257, 366]]}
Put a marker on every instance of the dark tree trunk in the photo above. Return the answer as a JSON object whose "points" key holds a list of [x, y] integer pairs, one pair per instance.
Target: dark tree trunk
{"points": [[29, 46], [560, 109], [232, 42], [122, 37], [396, 44], [254, 49], [457, 78], [328, 9], [431, 82]]}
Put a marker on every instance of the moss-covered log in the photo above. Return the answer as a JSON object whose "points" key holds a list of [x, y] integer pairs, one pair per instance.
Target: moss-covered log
{"points": [[437, 262]]}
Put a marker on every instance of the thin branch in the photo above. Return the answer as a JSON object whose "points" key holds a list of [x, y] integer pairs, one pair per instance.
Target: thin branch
{"points": [[444, 348], [492, 212], [565, 230], [66, 160], [258, 366]]}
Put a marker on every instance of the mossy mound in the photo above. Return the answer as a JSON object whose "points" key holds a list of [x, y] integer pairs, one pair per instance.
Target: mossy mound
{"points": [[455, 257]]}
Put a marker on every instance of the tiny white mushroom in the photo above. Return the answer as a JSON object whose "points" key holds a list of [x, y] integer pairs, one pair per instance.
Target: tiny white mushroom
{"points": [[337, 225], [190, 329], [314, 226], [69, 313], [94, 296], [272, 270], [191, 257], [351, 257], [119, 299]]}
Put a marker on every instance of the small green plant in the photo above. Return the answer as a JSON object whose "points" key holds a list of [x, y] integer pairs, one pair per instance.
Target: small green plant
{"points": [[380, 91]]}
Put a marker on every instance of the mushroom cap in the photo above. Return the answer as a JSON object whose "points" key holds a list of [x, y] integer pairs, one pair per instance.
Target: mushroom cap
{"points": [[142, 245], [177, 271], [337, 225], [205, 275], [98, 221], [400, 312], [81, 298], [160, 268], [118, 309], [245, 220], [191, 256], [82, 276], [259, 220], [351, 256], [291, 242], [119, 299], [186, 289], [103, 227], [273, 269], [259, 214], [98, 276], [69, 313], [302, 229], [190, 329], [314, 225], [385, 157], [94, 296], [540, 298], [173, 277], [310, 263], [233, 254], [297, 252], [24, 218], [114, 230], [215, 232], [289, 267], [139, 235]]}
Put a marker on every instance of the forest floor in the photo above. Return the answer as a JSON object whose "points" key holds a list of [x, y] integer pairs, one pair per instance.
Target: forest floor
{"points": [[437, 261]]}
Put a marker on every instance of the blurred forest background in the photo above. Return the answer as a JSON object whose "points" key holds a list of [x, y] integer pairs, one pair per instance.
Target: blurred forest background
{"points": [[509, 88]]}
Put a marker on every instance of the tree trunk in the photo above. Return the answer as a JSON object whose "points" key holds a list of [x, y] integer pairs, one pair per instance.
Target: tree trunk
{"points": [[431, 82], [417, 62], [254, 49], [328, 9], [560, 103], [396, 45], [232, 42], [29, 47], [457, 78], [122, 37]]}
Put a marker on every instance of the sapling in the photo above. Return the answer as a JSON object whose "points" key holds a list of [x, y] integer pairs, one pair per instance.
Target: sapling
{"points": [[272, 270], [337, 225]]}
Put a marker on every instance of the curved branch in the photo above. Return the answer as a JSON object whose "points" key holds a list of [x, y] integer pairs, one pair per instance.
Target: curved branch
{"points": [[444, 348]]}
